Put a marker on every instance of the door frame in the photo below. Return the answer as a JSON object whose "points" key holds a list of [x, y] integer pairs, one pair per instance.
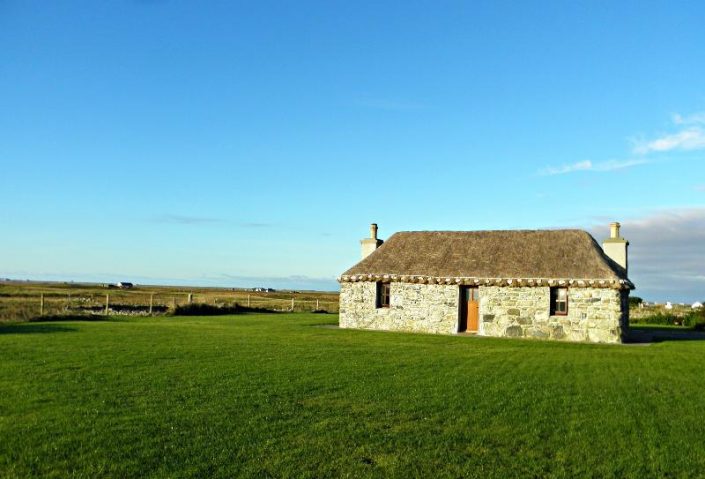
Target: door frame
{"points": [[463, 309]]}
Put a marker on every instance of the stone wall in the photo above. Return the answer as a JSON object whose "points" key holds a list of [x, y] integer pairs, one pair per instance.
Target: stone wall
{"points": [[594, 314], [412, 307]]}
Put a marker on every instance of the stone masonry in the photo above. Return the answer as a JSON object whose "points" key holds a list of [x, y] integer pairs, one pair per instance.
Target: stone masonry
{"points": [[594, 314], [427, 308]]}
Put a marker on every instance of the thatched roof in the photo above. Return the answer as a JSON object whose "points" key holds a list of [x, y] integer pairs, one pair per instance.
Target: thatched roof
{"points": [[533, 257]]}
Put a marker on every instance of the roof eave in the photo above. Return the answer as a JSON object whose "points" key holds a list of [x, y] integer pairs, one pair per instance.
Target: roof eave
{"points": [[611, 283]]}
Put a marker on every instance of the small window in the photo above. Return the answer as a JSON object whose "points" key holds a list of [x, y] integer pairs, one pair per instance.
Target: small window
{"points": [[382, 295], [559, 301]]}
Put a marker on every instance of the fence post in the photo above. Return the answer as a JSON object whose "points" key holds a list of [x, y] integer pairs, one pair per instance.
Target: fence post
{"points": [[151, 303], [190, 298], [248, 300], [317, 308], [107, 303], [41, 305], [292, 304]]}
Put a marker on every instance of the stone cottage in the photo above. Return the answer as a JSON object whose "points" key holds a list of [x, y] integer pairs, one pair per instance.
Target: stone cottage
{"points": [[548, 284]]}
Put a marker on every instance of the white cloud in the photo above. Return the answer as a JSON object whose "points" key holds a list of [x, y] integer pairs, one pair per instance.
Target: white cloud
{"points": [[694, 119], [666, 253], [588, 165], [689, 139], [560, 170], [612, 165]]}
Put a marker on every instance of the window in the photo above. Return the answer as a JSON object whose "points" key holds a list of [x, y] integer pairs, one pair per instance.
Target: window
{"points": [[382, 295], [559, 301]]}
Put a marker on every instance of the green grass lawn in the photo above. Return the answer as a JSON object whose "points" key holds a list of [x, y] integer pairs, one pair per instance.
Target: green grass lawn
{"points": [[281, 396]]}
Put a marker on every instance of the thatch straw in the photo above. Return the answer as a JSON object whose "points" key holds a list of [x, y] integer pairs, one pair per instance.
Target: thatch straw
{"points": [[511, 258]]}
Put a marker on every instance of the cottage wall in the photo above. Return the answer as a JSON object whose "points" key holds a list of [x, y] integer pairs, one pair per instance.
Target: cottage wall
{"points": [[428, 308], [594, 314]]}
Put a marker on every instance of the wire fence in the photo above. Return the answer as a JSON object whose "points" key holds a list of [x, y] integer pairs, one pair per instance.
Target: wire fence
{"points": [[145, 303]]}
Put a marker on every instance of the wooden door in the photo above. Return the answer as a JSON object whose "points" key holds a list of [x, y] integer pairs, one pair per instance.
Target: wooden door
{"points": [[469, 309]]}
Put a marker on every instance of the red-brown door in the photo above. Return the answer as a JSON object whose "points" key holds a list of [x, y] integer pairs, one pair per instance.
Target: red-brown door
{"points": [[470, 310], [473, 310]]}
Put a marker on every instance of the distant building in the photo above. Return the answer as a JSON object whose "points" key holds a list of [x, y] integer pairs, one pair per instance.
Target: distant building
{"points": [[125, 285], [697, 305], [669, 305]]}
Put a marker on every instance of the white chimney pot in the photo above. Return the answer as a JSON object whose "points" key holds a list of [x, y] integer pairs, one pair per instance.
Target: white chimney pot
{"points": [[369, 245]]}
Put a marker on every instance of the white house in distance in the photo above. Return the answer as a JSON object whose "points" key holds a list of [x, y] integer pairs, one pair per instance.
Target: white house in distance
{"points": [[549, 284]]}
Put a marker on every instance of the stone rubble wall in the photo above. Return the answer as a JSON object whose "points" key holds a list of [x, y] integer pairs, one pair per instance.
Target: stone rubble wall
{"points": [[594, 314], [427, 308]]}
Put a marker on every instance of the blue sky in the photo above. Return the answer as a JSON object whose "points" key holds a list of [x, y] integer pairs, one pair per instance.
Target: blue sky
{"points": [[248, 143]]}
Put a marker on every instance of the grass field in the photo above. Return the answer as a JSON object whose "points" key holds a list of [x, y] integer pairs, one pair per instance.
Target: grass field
{"points": [[287, 395], [24, 301]]}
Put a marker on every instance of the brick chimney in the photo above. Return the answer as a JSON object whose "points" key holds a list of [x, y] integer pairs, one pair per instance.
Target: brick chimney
{"points": [[616, 247], [372, 243]]}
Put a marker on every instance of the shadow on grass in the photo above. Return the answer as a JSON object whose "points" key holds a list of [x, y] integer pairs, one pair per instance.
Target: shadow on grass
{"points": [[90, 318], [651, 334], [200, 309], [34, 328]]}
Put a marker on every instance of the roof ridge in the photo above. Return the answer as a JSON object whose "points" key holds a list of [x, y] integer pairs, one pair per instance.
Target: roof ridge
{"points": [[495, 231]]}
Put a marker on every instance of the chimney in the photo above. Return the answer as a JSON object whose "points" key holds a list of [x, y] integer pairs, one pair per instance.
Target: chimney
{"points": [[372, 243], [614, 230], [616, 247]]}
